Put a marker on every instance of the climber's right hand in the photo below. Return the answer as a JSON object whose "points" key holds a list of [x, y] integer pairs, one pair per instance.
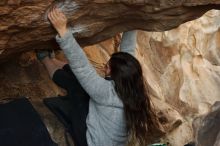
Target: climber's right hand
{"points": [[58, 20]]}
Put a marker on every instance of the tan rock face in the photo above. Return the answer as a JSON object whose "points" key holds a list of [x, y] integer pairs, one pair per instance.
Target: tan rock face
{"points": [[184, 63], [182, 69], [24, 25]]}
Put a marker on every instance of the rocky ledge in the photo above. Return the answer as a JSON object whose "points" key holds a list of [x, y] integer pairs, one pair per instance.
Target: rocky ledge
{"points": [[24, 24]]}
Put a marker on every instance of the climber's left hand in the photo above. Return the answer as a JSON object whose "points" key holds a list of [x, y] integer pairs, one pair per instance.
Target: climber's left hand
{"points": [[58, 20]]}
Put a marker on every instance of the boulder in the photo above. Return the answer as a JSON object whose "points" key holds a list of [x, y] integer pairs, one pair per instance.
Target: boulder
{"points": [[24, 25], [207, 128]]}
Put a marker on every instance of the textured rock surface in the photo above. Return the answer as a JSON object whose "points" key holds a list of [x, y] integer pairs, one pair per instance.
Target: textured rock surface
{"points": [[182, 69], [184, 63], [24, 25]]}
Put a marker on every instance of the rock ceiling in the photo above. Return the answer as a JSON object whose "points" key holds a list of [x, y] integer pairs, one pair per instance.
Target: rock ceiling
{"points": [[24, 25]]}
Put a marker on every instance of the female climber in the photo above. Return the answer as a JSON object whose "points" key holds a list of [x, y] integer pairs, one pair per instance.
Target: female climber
{"points": [[107, 112]]}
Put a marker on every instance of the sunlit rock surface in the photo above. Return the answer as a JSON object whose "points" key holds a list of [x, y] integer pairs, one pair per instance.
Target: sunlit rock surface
{"points": [[24, 25], [181, 67]]}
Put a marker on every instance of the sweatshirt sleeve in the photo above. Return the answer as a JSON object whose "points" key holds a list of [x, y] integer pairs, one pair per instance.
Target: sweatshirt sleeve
{"points": [[128, 42], [97, 87]]}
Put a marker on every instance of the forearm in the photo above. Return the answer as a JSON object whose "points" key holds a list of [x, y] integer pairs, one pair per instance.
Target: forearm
{"points": [[95, 86], [75, 55], [86, 74], [128, 42]]}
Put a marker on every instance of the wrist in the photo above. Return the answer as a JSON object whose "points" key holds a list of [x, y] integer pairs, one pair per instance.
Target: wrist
{"points": [[62, 32]]}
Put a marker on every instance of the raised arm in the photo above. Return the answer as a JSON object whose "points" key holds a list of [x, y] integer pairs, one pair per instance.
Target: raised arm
{"points": [[128, 42], [95, 86]]}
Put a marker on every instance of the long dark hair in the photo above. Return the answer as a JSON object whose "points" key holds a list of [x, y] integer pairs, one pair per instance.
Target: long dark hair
{"points": [[126, 72]]}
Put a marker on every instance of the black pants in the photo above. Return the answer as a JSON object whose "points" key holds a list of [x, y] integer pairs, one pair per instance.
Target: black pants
{"points": [[79, 100]]}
